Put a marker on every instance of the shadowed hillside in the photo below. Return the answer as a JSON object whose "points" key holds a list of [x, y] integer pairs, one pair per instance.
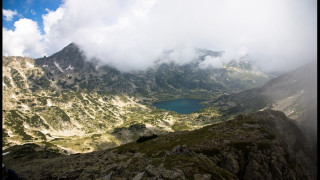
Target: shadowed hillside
{"points": [[262, 145], [294, 93]]}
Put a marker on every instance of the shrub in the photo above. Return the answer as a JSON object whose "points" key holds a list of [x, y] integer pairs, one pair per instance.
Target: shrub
{"points": [[267, 134], [245, 147], [210, 152], [264, 145], [146, 138]]}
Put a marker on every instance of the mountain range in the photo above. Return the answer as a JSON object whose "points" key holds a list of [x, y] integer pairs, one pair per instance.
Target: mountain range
{"points": [[66, 97], [253, 126], [162, 80]]}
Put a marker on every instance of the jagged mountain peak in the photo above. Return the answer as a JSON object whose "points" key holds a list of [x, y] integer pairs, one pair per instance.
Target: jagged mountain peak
{"points": [[70, 59], [70, 48]]}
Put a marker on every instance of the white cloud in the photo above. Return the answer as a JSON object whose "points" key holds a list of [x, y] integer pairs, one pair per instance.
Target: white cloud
{"points": [[24, 40], [242, 51], [133, 35], [8, 14], [210, 61], [51, 19]]}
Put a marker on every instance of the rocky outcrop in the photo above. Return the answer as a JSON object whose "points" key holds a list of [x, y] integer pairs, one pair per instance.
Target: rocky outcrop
{"points": [[262, 145]]}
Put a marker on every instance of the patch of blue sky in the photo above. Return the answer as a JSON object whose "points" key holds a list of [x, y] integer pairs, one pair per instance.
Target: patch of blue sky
{"points": [[30, 9]]}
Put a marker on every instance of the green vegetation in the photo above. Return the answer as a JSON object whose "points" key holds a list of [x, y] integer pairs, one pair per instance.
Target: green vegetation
{"points": [[180, 127], [6, 80], [87, 100], [92, 100], [61, 113], [245, 147], [17, 78], [267, 134], [263, 145], [15, 120], [199, 166], [210, 152], [146, 138], [42, 82], [94, 136], [36, 121], [4, 133], [40, 135], [42, 100], [55, 117]]}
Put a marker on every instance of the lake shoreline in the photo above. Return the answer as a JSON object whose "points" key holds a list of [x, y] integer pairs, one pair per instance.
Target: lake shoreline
{"points": [[181, 106]]}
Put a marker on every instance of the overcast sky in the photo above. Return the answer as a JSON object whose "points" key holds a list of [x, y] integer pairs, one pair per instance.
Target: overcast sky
{"points": [[134, 34]]}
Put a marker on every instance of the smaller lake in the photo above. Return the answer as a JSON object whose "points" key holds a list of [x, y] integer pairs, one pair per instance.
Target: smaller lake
{"points": [[181, 106]]}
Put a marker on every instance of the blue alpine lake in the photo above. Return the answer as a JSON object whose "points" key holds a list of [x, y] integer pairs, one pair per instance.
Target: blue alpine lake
{"points": [[181, 106]]}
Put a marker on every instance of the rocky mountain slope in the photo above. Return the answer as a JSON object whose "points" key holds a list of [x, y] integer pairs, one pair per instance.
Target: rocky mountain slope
{"points": [[63, 104], [262, 145], [82, 106], [294, 93], [36, 109]]}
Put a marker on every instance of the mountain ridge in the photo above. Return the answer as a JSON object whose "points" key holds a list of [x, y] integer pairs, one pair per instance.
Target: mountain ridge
{"points": [[294, 93], [166, 78]]}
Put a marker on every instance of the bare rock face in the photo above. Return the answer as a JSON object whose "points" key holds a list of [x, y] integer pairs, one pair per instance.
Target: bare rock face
{"points": [[232, 164], [270, 147], [139, 176], [180, 150], [202, 176]]}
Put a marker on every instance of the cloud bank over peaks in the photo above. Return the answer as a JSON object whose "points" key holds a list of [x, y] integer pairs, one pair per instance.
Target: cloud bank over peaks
{"points": [[211, 61], [134, 35]]}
